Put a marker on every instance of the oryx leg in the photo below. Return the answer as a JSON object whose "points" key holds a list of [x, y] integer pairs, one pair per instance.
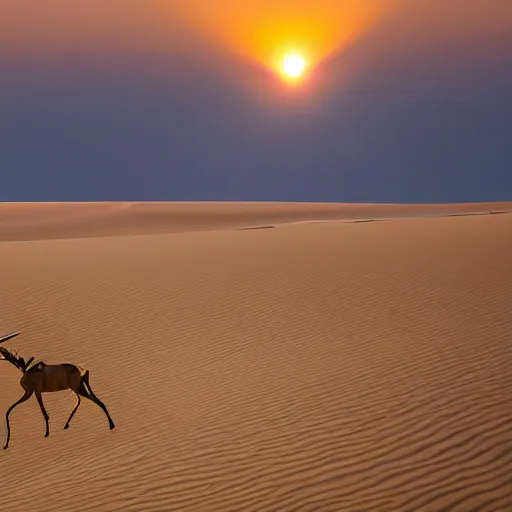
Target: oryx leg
{"points": [[73, 411], [24, 398], [45, 414], [86, 391]]}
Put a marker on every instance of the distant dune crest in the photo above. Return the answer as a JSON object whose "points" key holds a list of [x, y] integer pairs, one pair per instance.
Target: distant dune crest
{"points": [[41, 221]]}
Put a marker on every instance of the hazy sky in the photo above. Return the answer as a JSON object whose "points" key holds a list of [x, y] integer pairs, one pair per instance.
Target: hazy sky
{"points": [[407, 100]]}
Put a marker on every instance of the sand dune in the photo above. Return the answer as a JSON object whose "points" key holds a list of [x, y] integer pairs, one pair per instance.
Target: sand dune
{"points": [[316, 366], [44, 221]]}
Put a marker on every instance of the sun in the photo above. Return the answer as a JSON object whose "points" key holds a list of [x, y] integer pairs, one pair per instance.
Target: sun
{"points": [[293, 66]]}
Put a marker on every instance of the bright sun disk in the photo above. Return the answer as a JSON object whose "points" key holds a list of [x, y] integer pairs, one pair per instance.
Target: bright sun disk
{"points": [[294, 66]]}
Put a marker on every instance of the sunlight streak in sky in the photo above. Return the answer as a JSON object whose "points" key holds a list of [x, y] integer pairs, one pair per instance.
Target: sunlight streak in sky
{"points": [[266, 30]]}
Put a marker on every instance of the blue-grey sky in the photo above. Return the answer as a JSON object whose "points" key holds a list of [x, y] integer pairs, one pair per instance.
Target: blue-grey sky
{"points": [[416, 108]]}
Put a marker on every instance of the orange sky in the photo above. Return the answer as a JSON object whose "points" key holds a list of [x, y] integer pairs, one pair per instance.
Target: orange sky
{"points": [[265, 29], [260, 29], [91, 24]]}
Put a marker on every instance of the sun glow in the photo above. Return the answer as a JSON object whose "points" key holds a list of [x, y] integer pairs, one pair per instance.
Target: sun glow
{"points": [[266, 31], [293, 66]]}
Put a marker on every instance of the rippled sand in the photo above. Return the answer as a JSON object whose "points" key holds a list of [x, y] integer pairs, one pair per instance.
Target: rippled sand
{"points": [[337, 366]]}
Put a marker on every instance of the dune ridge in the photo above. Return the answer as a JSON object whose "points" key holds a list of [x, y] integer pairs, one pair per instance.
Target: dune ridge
{"points": [[318, 366], [42, 221]]}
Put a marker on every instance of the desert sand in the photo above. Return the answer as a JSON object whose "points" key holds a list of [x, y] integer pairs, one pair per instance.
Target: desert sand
{"points": [[316, 366]]}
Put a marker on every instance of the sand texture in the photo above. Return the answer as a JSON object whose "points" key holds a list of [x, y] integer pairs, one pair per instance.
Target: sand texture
{"points": [[337, 366]]}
